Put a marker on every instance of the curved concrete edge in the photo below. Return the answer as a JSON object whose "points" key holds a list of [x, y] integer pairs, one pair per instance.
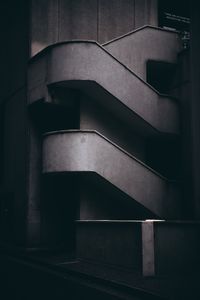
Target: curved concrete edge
{"points": [[83, 62], [154, 43], [88, 151]]}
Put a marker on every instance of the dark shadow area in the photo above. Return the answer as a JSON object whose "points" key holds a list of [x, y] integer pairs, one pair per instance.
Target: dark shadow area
{"points": [[58, 212], [161, 75], [102, 200], [174, 14], [61, 113], [164, 156]]}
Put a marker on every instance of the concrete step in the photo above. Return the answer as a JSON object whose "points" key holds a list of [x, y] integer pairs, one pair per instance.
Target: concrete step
{"points": [[81, 151], [151, 248], [89, 67]]}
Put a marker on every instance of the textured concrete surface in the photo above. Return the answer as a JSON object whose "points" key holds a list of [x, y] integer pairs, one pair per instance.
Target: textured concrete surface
{"points": [[100, 20], [88, 151], [13, 206], [148, 254], [177, 248], [155, 44], [83, 65], [150, 248], [20, 275], [111, 243], [97, 117]]}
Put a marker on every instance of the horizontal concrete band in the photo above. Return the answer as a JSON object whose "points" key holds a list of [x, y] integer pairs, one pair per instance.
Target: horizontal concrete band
{"points": [[88, 151], [154, 43], [144, 246], [78, 64], [157, 221]]}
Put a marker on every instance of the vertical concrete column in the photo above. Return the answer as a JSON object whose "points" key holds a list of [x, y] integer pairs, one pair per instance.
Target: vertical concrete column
{"points": [[34, 187], [148, 256], [195, 104]]}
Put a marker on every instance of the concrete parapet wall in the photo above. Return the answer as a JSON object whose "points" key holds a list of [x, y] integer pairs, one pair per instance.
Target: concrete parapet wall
{"points": [[151, 248], [88, 66], [88, 151], [146, 43]]}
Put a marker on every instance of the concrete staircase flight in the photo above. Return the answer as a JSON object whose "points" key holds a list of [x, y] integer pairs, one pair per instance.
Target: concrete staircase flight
{"points": [[155, 44], [113, 76], [87, 66]]}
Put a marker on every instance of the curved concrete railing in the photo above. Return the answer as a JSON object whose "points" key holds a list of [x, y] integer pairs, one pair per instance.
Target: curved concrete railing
{"points": [[146, 43], [88, 151], [88, 66]]}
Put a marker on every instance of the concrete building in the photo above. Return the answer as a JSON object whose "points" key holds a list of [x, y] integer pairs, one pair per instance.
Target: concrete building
{"points": [[99, 134]]}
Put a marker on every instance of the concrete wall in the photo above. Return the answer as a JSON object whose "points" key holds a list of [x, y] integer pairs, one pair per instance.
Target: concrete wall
{"points": [[176, 248], [87, 66], [151, 248], [155, 44], [110, 243], [14, 57], [100, 20], [182, 90], [194, 105], [88, 151], [15, 145], [99, 200], [96, 117], [14, 50]]}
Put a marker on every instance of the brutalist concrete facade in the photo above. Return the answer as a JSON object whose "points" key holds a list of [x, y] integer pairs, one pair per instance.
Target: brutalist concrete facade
{"points": [[100, 136]]}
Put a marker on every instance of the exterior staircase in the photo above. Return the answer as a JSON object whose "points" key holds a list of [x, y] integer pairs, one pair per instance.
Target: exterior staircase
{"points": [[126, 212]]}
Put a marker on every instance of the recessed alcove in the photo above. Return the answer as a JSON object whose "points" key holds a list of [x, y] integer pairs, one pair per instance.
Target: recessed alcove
{"points": [[161, 75], [163, 155]]}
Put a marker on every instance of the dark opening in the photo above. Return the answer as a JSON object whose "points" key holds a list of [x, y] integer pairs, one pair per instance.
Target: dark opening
{"points": [[164, 156], [161, 75], [59, 205], [61, 113]]}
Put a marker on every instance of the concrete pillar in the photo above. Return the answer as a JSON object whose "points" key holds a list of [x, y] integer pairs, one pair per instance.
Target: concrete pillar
{"points": [[148, 255]]}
